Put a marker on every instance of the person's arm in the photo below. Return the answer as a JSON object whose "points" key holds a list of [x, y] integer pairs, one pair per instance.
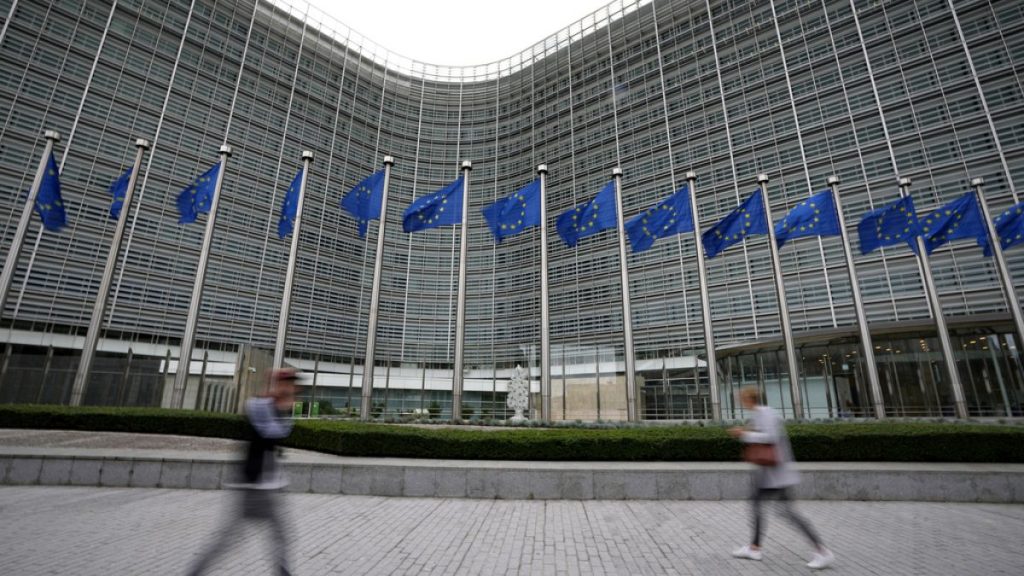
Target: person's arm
{"points": [[764, 429], [266, 422]]}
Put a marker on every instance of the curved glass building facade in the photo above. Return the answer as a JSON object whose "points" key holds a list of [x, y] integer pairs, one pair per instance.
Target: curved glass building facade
{"points": [[864, 90]]}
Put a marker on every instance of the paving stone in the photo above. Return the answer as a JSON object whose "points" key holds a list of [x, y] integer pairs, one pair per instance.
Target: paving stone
{"points": [[821, 485], [300, 477], [451, 483], [24, 471], [325, 479], [482, 483], [375, 536], [205, 475], [514, 485], [146, 473], [639, 486], [611, 485], [175, 474], [116, 473], [673, 485], [705, 485], [55, 471], [86, 471], [419, 481], [576, 486], [366, 480], [986, 487], [545, 484]]}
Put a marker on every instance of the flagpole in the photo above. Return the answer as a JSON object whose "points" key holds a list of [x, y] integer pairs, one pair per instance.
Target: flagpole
{"points": [[289, 278], [1004, 272], [188, 340], [858, 304], [11, 264], [99, 307], [460, 315], [780, 292], [545, 312], [371, 328], [705, 302], [627, 315], [960, 403]]}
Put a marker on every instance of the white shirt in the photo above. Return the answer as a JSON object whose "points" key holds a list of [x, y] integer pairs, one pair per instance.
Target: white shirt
{"points": [[766, 427]]}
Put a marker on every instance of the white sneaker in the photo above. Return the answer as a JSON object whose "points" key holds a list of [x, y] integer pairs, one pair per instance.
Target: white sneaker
{"points": [[819, 561], [748, 553]]}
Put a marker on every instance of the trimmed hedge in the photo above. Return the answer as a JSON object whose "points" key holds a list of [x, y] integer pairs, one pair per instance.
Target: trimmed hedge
{"points": [[138, 420], [860, 441]]}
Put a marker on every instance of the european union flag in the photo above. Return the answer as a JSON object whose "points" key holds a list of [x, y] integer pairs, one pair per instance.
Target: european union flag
{"points": [[669, 217], [514, 213], [815, 216], [957, 220], [289, 207], [441, 208], [747, 219], [893, 223], [588, 218], [49, 204], [364, 200], [197, 198], [1009, 227], [118, 190]]}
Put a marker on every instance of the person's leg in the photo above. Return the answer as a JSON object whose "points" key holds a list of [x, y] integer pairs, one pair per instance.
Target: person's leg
{"points": [[759, 494], [752, 551], [799, 521], [227, 536], [823, 557], [272, 513]]}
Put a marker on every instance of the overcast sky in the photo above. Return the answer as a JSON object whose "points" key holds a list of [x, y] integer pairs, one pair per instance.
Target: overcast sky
{"points": [[456, 32]]}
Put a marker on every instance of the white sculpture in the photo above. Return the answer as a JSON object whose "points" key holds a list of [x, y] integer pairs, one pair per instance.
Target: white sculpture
{"points": [[518, 394]]}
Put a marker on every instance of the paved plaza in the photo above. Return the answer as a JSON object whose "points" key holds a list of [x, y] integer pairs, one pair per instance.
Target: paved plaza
{"points": [[87, 531]]}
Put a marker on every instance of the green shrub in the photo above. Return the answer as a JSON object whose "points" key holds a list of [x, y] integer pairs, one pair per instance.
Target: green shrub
{"points": [[886, 441], [139, 420]]}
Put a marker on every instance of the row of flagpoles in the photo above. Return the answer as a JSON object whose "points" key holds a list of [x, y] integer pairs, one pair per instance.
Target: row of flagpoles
{"points": [[819, 215]]}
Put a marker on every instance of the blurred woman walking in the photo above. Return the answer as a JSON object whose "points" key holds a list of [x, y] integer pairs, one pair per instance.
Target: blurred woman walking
{"points": [[767, 446]]}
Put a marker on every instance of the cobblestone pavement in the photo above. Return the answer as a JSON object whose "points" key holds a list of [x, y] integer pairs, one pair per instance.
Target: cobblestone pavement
{"points": [[86, 531]]}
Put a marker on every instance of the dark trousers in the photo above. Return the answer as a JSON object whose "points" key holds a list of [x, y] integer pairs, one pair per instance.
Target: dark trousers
{"points": [[761, 494], [259, 505]]}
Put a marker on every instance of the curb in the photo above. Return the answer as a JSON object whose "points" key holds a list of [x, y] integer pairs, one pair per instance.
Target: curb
{"points": [[989, 483]]}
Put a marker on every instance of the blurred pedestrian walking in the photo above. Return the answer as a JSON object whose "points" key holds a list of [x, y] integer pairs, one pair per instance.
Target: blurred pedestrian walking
{"points": [[259, 496], [767, 446]]}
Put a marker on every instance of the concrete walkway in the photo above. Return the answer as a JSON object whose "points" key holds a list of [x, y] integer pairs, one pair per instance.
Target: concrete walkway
{"points": [[101, 531], [61, 458]]}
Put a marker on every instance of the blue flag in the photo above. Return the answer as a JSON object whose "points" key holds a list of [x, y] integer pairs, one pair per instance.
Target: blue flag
{"points": [[289, 207], [49, 204], [588, 218], [441, 208], [669, 217], [815, 216], [747, 219], [960, 219], [1009, 227], [196, 199], [118, 190], [893, 223], [512, 214], [364, 200]]}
